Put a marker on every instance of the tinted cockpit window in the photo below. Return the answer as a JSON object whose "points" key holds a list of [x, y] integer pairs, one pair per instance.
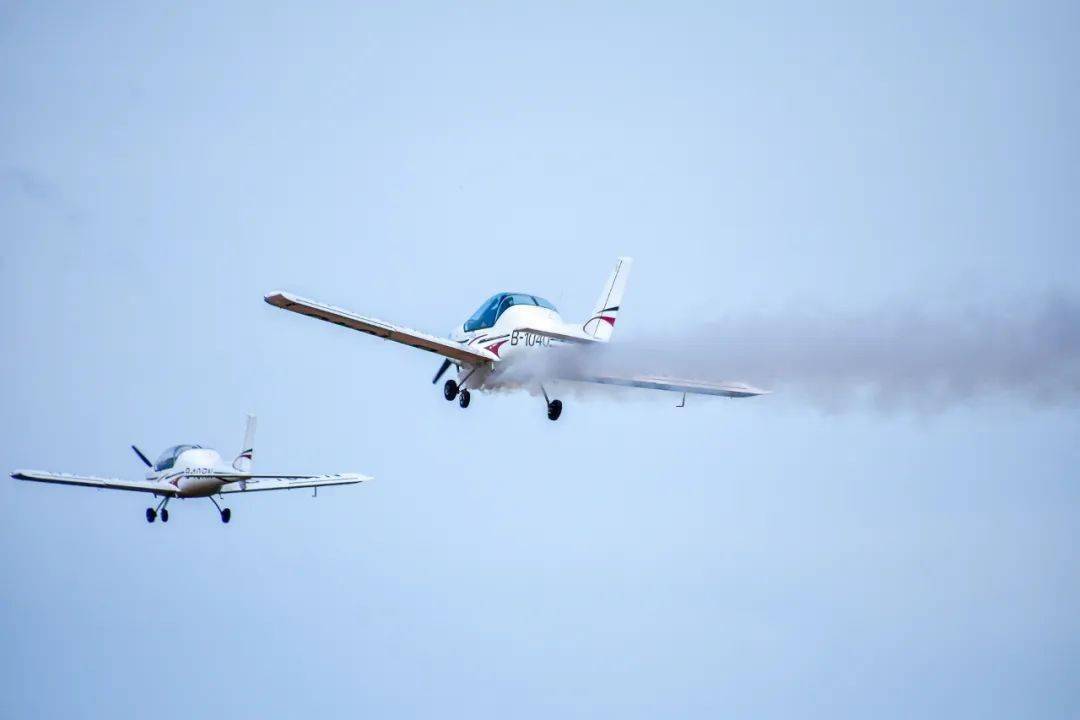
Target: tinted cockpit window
{"points": [[488, 313], [168, 458], [485, 315], [506, 303]]}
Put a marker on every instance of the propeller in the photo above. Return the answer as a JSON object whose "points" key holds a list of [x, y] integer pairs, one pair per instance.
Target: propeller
{"points": [[442, 369], [142, 457]]}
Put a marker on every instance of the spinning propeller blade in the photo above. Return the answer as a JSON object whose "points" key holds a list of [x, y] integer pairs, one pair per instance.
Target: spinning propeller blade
{"points": [[442, 369], [142, 457]]}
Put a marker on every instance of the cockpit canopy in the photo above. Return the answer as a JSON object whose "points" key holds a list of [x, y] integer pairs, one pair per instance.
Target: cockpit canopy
{"points": [[488, 313], [168, 458]]}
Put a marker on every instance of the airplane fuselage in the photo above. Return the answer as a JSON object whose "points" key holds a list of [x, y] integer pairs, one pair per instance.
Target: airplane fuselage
{"points": [[191, 473], [510, 335], [512, 338]]}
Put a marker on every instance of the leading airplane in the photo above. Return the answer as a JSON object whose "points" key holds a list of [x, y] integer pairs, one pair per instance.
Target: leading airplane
{"points": [[506, 332], [192, 471]]}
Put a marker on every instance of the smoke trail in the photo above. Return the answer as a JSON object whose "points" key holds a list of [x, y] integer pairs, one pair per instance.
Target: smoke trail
{"points": [[891, 358]]}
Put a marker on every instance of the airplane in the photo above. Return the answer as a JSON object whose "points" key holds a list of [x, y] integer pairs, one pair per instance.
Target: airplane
{"points": [[192, 471], [507, 329]]}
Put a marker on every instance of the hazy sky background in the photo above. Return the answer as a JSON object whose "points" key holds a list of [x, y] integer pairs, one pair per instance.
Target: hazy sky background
{"points": [[163, 167]]}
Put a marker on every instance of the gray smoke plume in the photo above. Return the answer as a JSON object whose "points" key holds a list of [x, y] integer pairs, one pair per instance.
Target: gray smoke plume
{"points": [[891, 358]]}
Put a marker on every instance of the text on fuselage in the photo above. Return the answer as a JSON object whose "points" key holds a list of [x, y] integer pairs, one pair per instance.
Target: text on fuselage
{"points": [[529, 339]]}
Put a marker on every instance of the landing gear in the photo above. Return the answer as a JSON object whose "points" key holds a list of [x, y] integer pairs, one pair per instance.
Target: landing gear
{"points": [[450, 390], [226, 513], [152, 513], [554, 409]]}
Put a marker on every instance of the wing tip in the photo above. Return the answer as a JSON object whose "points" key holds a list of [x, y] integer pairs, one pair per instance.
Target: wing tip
{"points": [[29, 474], [278, 298]]}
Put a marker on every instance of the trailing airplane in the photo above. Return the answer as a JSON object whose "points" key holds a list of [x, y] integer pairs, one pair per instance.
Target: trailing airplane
{"points": [[192, 471], [507, 331]]}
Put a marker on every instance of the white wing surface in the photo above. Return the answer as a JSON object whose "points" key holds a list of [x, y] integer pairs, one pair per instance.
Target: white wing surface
{"points": [[150, 486], [385, 330], [259, 483], [656, 382]]}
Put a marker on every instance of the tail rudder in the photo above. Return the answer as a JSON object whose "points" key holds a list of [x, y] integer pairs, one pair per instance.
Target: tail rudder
{"points": [[244, 460], [601, 323]]}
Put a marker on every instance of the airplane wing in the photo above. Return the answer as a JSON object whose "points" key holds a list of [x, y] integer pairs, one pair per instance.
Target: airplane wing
{"points": [[259, 483], [150, 486], [372, 326], [656, 382]]}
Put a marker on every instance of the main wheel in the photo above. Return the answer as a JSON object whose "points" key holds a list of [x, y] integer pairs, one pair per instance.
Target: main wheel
{"points": [[151, 514], [226, 515], [450, 390], [463, 399], [554, 409], [164, 515]]}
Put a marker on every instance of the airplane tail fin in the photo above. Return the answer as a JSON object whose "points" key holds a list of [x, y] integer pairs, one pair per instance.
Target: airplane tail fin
{"points": [[601, 323], [243, 461]]}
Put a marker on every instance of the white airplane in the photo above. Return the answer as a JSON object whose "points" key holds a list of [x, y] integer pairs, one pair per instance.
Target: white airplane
{"points": [[508, 329], [192, 471]]}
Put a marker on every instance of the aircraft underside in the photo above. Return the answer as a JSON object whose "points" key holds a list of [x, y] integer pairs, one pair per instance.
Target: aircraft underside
{"points": [[452, 390]]}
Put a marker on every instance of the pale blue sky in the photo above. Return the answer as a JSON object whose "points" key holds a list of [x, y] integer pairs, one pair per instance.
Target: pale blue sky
{"points": [[161, 168]]}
